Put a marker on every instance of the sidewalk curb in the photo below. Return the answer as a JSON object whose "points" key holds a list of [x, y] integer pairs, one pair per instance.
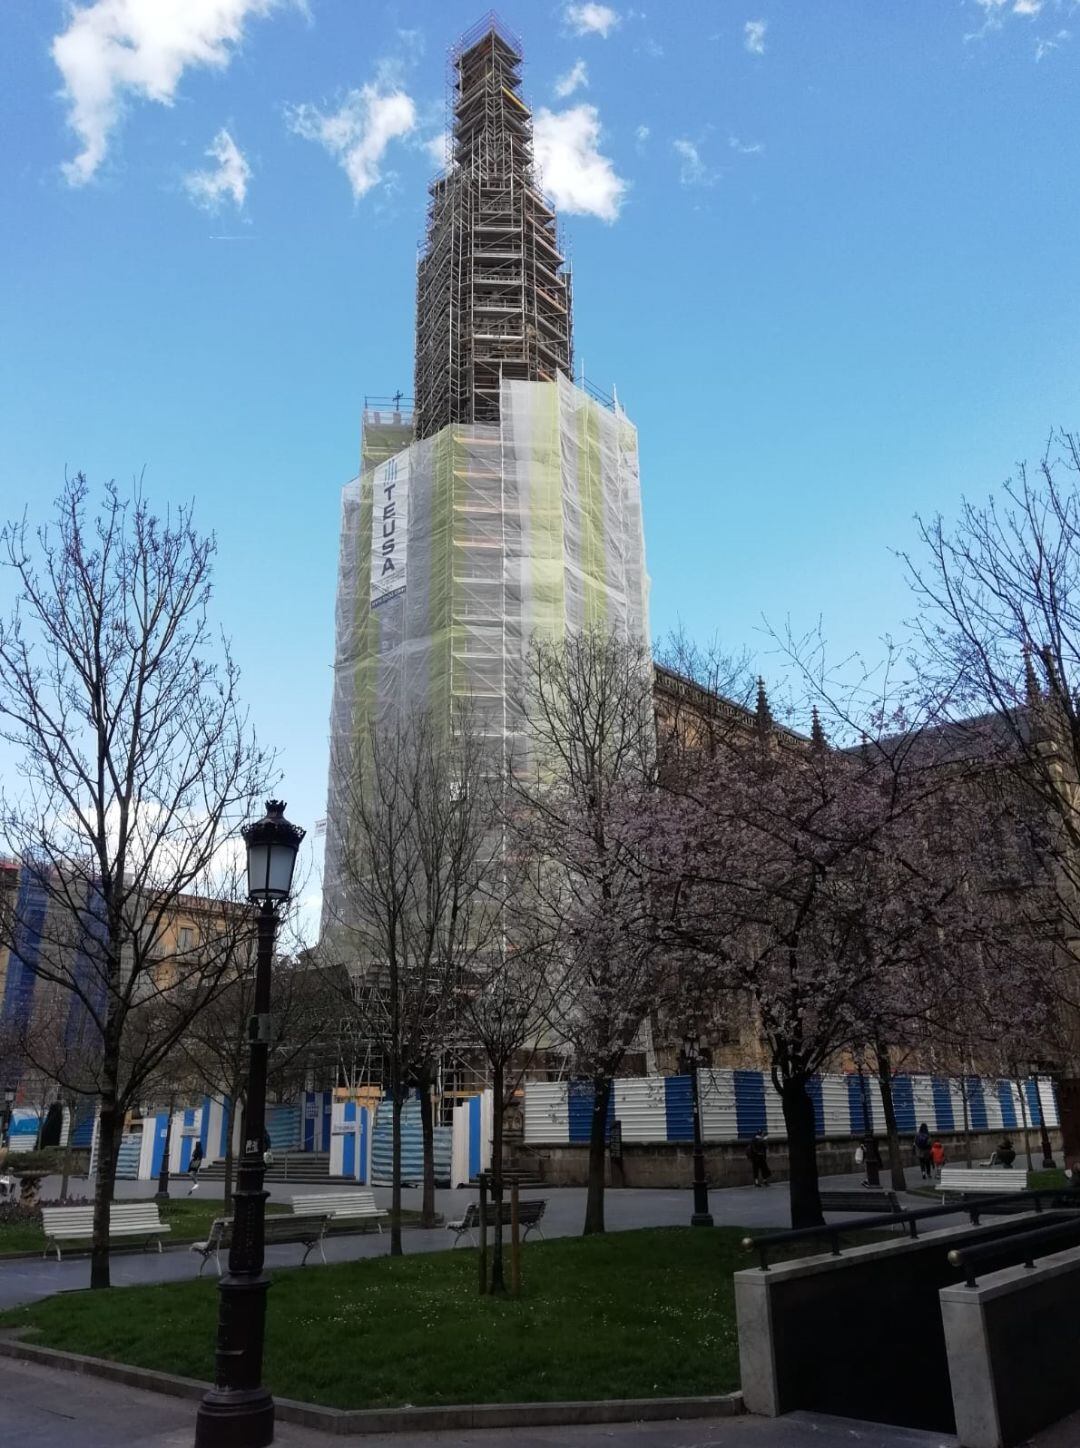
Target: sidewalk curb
{"points": [[348, 1421]]}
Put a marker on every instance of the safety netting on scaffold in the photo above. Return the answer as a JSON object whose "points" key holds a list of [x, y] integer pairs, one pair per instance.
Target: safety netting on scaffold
{"points": [[457, 550]]}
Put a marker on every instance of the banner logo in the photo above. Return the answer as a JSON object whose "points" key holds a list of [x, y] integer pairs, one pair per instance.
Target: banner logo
{"points": [[389, 529]]}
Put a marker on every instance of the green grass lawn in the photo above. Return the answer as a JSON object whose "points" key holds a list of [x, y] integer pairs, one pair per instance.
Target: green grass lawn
{"points": [[631, 1314], [189, 1218]]}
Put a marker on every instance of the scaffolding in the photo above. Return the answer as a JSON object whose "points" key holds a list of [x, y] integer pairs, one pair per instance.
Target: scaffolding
{"points": [[493, 300]]}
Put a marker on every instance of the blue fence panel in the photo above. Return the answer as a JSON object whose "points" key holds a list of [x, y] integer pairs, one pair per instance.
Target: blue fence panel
{"points": [[474, 1137], [1034, 1105], [860, 1106], [976, 1098], [943, 1104], [813, 1090], [750, 1112], [1008, 1104], [903, 1095], [579, 1102]]}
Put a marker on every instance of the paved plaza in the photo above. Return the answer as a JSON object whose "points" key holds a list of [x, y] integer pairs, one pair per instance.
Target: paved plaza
{"points": [[31, 1278], [44, 1407], [48, 1408]]}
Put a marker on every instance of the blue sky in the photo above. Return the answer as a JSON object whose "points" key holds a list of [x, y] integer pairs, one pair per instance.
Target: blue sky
{"points": [[826, 250]]}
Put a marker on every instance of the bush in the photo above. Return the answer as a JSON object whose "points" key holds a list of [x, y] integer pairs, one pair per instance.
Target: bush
{"points": [[48, 1160], [20, 1214]]}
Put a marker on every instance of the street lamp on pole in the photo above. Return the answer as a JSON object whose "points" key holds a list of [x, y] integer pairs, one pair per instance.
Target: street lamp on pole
{"points": [[701, 1216], [1037, 1069], [238, 1412], [10, 1093]]}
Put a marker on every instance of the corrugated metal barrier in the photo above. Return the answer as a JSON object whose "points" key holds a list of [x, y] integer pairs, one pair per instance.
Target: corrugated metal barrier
{"points": [[736, 1104]]}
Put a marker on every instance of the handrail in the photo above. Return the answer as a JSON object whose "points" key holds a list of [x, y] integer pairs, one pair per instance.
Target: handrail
{"points": [[832, 1233], [1024, 1247]]}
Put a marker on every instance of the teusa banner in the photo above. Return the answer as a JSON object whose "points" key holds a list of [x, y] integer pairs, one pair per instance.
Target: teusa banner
{"points": [[389, 529]]}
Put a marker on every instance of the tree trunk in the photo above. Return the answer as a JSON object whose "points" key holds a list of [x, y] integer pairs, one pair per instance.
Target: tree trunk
{"points": [[427, 1133], [65, 1172], [110, 1130], [395, 1177], [594, 1204], [802, 1154], [892, 1131], [1024, 1123], [230, 1159], [967, 1119], [498, 1285]]}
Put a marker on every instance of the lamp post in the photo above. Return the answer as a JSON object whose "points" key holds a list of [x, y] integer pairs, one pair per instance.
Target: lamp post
{"points": [[1040, 1068], [162, 1193], [238, 1412], [701, 1216], [9, 1107]]}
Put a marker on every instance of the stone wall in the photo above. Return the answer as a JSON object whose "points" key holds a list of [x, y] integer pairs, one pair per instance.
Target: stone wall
{"points": [[669, 1164]]}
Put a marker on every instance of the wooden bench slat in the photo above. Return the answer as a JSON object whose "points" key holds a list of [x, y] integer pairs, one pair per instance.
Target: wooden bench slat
{"points": [[529, 1214], [126, 1219], [340, 1206], [278, 1230]]}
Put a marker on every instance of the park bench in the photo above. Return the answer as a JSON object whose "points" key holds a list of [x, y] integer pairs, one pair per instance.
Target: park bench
{"points": [[529, 1214], [308, 1230], [860, 1201], [983, 1181], [126, 1219], [340, 1207]]}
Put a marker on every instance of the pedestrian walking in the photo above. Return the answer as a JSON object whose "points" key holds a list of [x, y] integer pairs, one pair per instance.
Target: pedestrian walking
{"points": [[937, 1157], [757, 1151], [268, 1155], [1004, 1153], [193, 1167], [923, 1148]]}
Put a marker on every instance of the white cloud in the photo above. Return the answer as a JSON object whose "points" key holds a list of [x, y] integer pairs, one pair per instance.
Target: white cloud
{"points": [[746, 148], [1043, 46], [1027, 7], [591, 19], [692, 170], [642, 134], [578, 178], [754, 36], [113, 49], [577, 77], [227, 180], [358, 133], [436, 147]]}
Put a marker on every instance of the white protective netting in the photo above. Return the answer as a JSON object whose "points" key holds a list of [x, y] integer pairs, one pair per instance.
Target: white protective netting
{"points": [[528, 528]]}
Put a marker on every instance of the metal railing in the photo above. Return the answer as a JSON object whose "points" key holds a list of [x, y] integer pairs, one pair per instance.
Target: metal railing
{"points": [[990, 1205], [1021, 1248]]}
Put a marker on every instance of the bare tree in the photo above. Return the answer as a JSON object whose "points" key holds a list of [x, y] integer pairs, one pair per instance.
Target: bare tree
{"points": [[417, 812], [581, 796], [506, 998], [137, 765], [999, 643], [215, 1049]]}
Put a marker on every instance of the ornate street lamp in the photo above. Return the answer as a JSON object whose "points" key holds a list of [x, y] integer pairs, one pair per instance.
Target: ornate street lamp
{"points": [[10, 1093], [238, 1412], [1037, 1069], [691, 1054]]}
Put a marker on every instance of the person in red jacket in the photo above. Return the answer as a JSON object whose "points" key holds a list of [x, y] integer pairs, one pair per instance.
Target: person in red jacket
{"points": [[937, 1156]]}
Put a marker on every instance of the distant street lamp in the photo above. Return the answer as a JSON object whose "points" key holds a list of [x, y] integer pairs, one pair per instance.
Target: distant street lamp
{"points": [[238, 1412], [10, 1093], [701, 1216], [162, 1193], [1038, 1068]]}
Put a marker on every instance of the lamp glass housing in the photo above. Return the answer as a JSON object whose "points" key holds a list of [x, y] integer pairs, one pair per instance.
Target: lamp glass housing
{"points": [[272, 846]]}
